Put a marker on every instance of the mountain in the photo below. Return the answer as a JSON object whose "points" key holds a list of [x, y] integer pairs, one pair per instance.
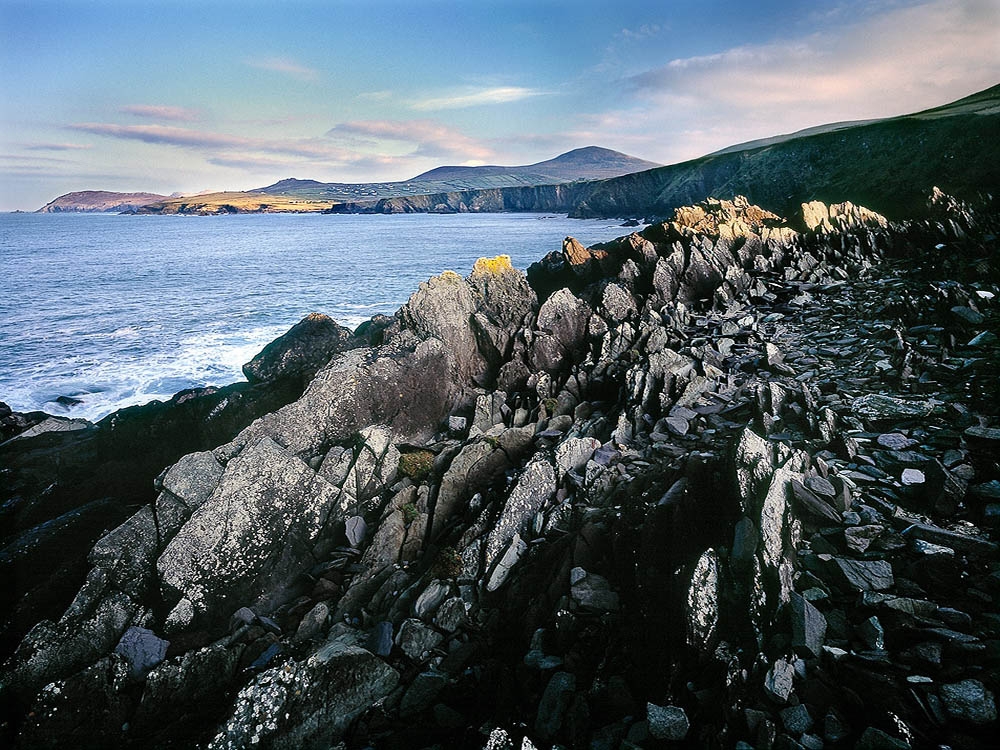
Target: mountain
{"points": [[889, 164], [589, 163], [99, 201]]}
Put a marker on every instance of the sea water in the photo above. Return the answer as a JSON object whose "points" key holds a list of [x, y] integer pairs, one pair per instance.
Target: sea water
{"points": [[116, 310]]}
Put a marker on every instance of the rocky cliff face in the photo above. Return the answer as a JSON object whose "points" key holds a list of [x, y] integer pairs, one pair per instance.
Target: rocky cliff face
{"points": [[99, 201], [718, 483]]}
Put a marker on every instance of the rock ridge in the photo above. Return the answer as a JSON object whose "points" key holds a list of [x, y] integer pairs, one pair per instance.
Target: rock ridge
{"points": [[727, 481]]}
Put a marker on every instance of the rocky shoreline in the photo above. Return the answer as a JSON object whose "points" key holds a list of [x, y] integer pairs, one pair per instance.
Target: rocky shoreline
{"points": [[724, 482]]}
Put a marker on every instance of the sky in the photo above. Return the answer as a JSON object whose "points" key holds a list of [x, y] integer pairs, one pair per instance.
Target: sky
{"points": [[185, 96]]}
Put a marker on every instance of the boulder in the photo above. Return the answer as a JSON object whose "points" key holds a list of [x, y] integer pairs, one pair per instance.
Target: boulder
{"points": [[302, 351], [306, 703]]}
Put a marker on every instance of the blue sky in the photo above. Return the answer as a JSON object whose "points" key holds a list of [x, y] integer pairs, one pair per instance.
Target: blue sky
{"points": [[181, 96]]}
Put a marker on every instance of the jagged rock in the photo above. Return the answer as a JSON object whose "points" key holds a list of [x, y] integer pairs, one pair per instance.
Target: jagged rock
{"points": [[573, 454], [779, 681], [302, 351], [534, 487], [303, 704], [667, 722], [877, 408], [808, 627], [250, 539], [865, 575], [876, 739], [561, 332], [796, 719], [703, 601]]}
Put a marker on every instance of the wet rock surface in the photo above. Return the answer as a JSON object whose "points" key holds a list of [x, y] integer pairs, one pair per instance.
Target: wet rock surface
{"points": [[719, 483]]}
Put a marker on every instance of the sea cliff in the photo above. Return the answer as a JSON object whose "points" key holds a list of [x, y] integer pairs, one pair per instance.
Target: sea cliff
{"points": [[730, 479]]}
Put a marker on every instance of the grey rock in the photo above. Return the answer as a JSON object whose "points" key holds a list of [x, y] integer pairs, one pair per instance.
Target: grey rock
{"points": [[193, 478], [534, 487], [307, 703], [877, 407], [860, 538], [312, 625], [250, 538], [617, 303], [505, 562], [430, 599], [821, 486], [970, 701], [703, 601], [865, 575], [667, 722], [872, 633], [912, 476], [142, 649], [895, 441], [572, 454], [416, 639], [451, 615], [356, 530], [562, 329], [779, 681], [594, 593], [808, 627], [456, 424]]}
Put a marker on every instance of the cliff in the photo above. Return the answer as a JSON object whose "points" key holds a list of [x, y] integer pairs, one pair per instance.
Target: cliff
{"points": [[727, 480], [99, 201]]}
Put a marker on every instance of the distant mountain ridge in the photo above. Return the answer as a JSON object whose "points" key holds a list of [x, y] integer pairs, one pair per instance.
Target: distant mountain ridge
{"points": [[889, 165], [588, 163]]}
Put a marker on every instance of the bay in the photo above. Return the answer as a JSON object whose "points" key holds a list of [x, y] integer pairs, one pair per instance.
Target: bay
{"points": [[118, 310]]}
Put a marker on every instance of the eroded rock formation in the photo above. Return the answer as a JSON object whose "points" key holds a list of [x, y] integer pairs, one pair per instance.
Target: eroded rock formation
{"points": [[720, 483]]}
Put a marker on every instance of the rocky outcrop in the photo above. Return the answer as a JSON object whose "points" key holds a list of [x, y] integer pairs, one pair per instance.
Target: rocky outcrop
{"points": [[300, 353], [720, 482]]}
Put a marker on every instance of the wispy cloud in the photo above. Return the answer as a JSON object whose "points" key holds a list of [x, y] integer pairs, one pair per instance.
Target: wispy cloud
{"points": [[284, 65], [897, 61], [161, 112], [57, 146], [476, 98], [170, 135]]}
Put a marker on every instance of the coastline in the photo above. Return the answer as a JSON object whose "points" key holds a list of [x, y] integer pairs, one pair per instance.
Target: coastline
{"points": [[691, 449]]}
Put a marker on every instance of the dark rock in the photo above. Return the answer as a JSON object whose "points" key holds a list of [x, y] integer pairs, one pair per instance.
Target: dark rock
{"points": [[864, 575], [300, 353], [304, 704], [552, 707], [808, 627], [667, 722], [876, 739], [969, 701]]}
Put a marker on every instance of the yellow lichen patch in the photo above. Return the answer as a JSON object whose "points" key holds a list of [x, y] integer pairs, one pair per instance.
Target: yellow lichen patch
{"points": [[495, 266], [449, 276]]}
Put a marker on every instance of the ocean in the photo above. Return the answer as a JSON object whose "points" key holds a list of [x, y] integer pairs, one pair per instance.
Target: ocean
{"points": [[116, 310]]}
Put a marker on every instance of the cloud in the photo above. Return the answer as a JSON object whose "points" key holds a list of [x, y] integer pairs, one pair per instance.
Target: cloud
{"points": [[286, 66], [161, 112], [889, 63], [170, 135], [57, 146], [427, 138], [376, 96], [476, 98]]}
